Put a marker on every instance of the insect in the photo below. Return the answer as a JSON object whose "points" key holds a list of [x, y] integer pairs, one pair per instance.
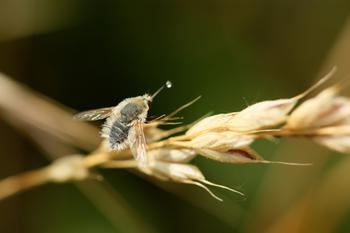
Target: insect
{"points": [[123, 127]]}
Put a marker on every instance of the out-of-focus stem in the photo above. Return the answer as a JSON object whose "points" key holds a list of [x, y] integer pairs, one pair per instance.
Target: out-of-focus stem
{"points": [[17, 183]]}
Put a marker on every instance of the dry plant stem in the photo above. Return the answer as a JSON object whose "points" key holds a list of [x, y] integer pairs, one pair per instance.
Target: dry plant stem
{"points": [[96, 159], [120, 164], [326, 131], [18, 183], [100, 157]]}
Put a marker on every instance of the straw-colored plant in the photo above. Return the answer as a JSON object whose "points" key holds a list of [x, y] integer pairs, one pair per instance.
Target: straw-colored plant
{"points": [[226, 138]]}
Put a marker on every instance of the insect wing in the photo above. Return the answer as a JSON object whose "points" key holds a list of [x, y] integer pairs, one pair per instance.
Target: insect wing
{"points": [[94, 115], [138, 144]]}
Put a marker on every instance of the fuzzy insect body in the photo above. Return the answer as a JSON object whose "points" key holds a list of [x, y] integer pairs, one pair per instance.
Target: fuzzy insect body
{"points": [[123, 127], [117, 135], [119, 125]]}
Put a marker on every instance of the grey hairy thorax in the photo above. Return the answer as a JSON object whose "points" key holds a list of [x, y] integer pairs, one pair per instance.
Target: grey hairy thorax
{"points": [[130, 112]]}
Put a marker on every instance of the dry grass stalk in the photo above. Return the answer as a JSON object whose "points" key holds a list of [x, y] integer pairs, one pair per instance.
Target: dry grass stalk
{"points": [[223, 137]]}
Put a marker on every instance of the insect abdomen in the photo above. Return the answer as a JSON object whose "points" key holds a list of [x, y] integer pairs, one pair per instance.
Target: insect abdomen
{"points": [[118, 134]]}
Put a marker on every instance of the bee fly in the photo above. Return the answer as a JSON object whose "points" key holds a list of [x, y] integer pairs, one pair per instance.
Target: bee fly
{"points": [[123, 127]]}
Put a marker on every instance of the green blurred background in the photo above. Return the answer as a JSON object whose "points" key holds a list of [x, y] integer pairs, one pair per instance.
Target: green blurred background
{"points": [[89, 54]]}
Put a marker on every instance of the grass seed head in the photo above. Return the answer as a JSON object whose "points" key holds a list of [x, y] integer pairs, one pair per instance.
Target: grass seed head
{"points": [[212, 123], [313, 113], [221, 141], [176, 172], [183, 173], [172, 155], [241, 155], [263, 115], [68, 168]]}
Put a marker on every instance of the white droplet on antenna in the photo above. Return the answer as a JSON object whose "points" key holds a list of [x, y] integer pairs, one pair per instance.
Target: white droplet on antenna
{"points": [[168, 84]]}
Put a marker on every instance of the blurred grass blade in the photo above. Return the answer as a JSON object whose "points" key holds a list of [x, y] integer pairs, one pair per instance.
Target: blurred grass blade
{"points": [[114, 207], [25, 108]]}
